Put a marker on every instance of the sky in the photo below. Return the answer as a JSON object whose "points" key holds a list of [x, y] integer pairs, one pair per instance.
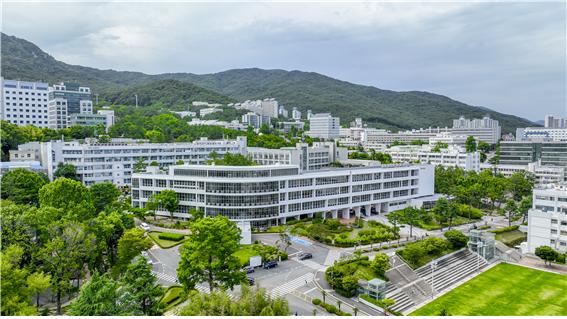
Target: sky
{"points": [[507, 56]]}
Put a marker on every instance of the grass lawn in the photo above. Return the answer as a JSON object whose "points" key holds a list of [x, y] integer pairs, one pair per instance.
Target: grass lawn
{"points": [[511, 238], [163, 243], [504, 290], [173, 296], [244, 254]]}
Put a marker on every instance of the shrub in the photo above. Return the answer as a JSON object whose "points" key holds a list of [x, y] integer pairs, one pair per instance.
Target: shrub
{"points": [[560, 258], [316, 301], [171, 236], [504, 229], [456, 238]]}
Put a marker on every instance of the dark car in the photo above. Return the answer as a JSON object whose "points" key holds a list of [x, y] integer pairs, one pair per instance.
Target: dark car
{"points": [[270, 264], [248, 269], [304, 256], [250, 281]]}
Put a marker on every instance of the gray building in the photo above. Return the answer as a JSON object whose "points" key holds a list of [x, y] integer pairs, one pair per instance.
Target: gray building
{"points": [[523, 153], [66, 99]]}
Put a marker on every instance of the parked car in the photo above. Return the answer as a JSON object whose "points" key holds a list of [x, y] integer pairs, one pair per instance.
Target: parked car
{"points": [[248, 269], [251, 281], [304, 256], [270, 264], [145, 226]]}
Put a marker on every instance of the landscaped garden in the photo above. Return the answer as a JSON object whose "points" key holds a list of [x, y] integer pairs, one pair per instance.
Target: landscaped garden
{"points": [[167, 240], [504, 290], [510, 236], [332, 232], [173, 296], [343, 276], [421, 252], [267, 253]]}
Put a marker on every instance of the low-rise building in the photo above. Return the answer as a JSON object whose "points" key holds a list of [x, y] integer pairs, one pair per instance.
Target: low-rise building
{"points": [[543, 174], [235, 125], [287, 126], [269, 195], [114, 162], [308, 158], [547, 219], [541, 134], [208, 110], [452, 156]]}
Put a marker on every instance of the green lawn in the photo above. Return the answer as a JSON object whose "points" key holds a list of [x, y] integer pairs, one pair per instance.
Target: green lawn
{"points": [[173, 296], [245, 252], [163, 243], [504, 290], [511, 238]]}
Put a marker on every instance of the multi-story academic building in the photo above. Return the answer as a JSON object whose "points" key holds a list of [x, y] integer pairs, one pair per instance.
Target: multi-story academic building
{"points": [[66, 99], [325, 126], [24, 103], [271, 194], [451, 156], [485, 129], [114, 162], [547, 220], [523, 153]]}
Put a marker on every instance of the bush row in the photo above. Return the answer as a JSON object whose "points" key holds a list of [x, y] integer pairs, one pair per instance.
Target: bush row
{"points": [[171, 236], [330, 308], [504, 229]]}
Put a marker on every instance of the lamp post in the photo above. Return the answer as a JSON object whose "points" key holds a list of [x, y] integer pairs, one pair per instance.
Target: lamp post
{"points": [[433, 267]]}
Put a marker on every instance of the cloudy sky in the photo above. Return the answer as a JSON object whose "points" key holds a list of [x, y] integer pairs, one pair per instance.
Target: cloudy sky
{"points": [[508, 56]]}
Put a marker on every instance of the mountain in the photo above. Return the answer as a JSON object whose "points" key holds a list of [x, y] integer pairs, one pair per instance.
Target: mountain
{"points": [[23, 60]]}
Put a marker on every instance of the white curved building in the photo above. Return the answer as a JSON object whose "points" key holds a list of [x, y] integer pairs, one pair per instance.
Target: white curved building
{"points": [[269, 195]]}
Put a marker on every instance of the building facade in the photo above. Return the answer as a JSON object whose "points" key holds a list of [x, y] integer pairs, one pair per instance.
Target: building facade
{"points": [[324, 126], [451, 156], [523, 153], [555, 122], [542, 174], [255, 120], [541, 134], [547, 220], [24, 103], [269, 195], [485, 129], [67, 99], [307, 158], [114, 162]]}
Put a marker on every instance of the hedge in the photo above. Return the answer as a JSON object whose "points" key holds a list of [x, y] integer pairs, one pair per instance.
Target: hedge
{"points": [[316, 301], [171, 236], [504, 229]]}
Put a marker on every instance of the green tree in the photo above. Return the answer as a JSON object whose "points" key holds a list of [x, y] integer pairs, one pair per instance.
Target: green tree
{"points": [[131, 244], [483, 146], [66, 171], [207, 255], [139, 282], [22, 186], [410, 216], [511, 210], [180, 162], [470, 144], [98, 297], [68, 195], [140, 165], [15, 295], [168, 200], [456, 238], [380, 264], [37, 283], [524, 206], [104, 195], [520, 184], [546, 253]]}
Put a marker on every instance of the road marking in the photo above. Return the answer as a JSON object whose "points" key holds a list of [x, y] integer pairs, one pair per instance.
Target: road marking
{"points": [[332, 255], [310, 263], [290, 286], [310, 290]]}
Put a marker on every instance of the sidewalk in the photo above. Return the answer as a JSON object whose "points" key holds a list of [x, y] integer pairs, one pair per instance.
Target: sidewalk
{"points": [[534, 262]]}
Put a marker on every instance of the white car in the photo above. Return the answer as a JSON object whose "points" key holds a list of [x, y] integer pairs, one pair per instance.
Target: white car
{"points": [[145, 226]]}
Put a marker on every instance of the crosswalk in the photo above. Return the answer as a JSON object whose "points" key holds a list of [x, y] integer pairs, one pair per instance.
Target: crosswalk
{"points": [[290, 286], [310, 263], [332, 256], [166, 277]]}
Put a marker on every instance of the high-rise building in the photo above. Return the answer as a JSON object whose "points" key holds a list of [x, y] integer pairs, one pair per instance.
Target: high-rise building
{"points": [[325, 126], [485, 129], [523, 153], [67, 99], [555, 122], [296, 114], [24, 103], [255, 120], [547, 220]]}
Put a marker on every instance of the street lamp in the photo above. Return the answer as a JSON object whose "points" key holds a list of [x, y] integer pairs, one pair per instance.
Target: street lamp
{"points": [[433, 267]]}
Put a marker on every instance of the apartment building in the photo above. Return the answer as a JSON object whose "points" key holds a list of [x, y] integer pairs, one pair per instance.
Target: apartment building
{"points": [[66, 99], [452, 156], [324, 126], [306, 157], [547, 220], [266, 107], [24, 103], [542, 174], [295, 114], [551, 121], [269, 195], [114, 161], [485, 129], [255, 120]]}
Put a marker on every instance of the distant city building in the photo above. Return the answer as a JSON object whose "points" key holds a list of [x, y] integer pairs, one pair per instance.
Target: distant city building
{"points": [[541, 134], [283, 112], [324, 126], [110, 118], [448, 138], [267, 107], [183, 114], [287, 126], [114, 161], [547, 220], [255, 120], [24, 103], [235, 125], [542, 174], [270, 195], [210, 110], [485, 129], [306, 157], [296, 114], [207, 104], [555, 122], [67, 99], [451, 156], [309, 114]]}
